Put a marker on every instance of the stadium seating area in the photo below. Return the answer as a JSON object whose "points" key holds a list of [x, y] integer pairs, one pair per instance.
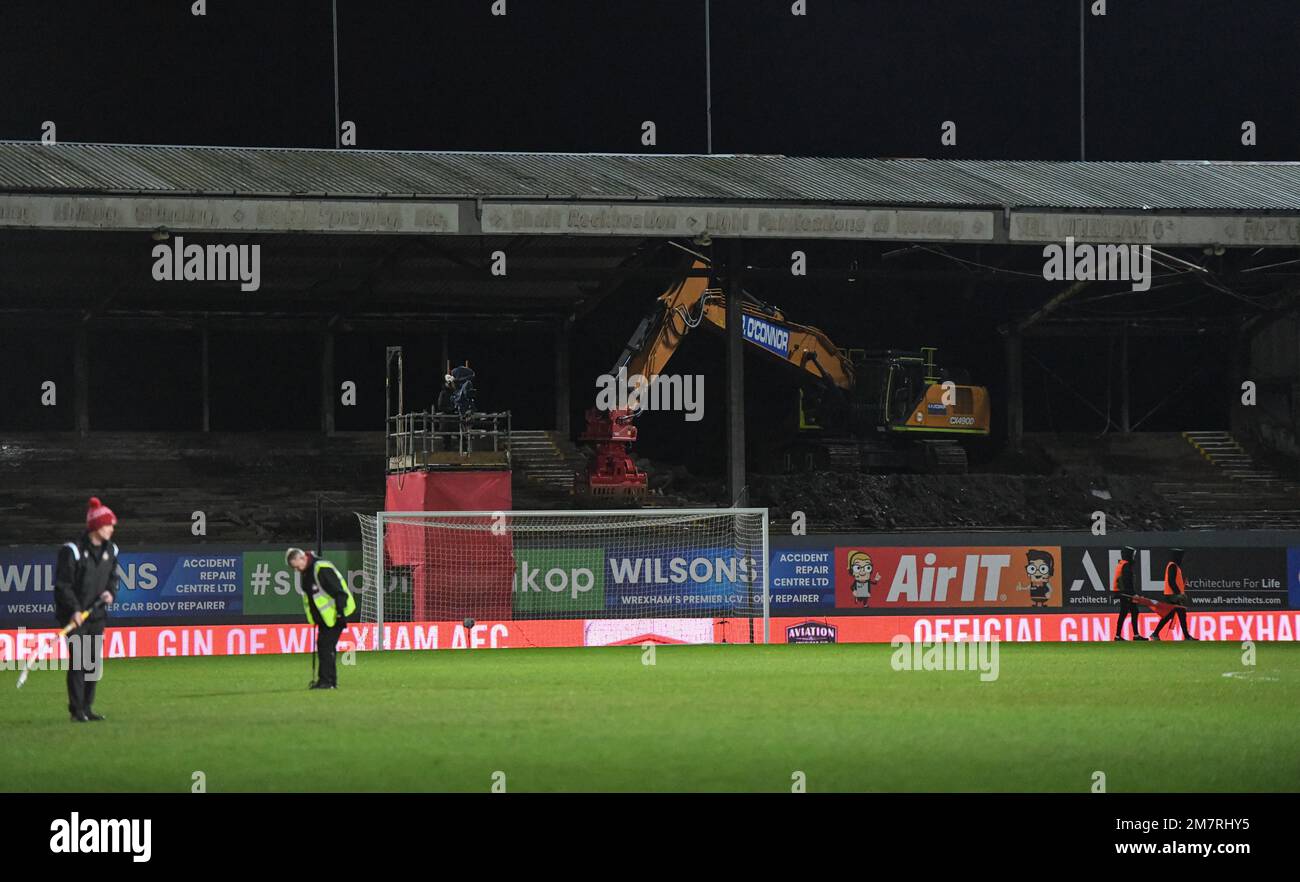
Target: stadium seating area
{"points": [[251, 487], [1210, 480], [261, 488]]}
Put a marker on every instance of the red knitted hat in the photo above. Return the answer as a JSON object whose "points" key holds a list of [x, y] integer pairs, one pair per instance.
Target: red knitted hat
{"points": [[98, 515]]}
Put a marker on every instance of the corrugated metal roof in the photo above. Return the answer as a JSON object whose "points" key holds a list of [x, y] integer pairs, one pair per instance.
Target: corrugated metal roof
{"points": [[123, 168]]}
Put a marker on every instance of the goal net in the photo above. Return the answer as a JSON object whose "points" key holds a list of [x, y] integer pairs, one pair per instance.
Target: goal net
{"points": [[689, 566]]}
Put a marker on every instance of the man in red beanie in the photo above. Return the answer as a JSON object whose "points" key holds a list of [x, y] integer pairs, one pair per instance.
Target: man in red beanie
{"points": [[86, 579]]}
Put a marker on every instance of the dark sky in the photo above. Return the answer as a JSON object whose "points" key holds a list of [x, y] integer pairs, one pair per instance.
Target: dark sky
{"points": [[1165, 78]]}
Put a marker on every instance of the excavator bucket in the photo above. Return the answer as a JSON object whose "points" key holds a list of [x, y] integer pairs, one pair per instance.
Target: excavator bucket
{"points": [[612, 471]]}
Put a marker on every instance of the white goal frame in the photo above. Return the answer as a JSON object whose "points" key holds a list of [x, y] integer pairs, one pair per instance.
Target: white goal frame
{"points": [[383, 517]]}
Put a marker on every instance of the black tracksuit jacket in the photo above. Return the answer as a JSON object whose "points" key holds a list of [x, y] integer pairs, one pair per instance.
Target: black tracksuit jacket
{"points": [[74, 590]]}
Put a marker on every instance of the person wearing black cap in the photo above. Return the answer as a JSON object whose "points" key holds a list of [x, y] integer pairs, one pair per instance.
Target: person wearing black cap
{"points": [[328, 603], [1175, 593], [1125, 586]]}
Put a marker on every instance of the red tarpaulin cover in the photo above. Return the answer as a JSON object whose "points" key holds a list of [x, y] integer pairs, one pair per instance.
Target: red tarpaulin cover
{"points": [[448, 491], [455, 573]]}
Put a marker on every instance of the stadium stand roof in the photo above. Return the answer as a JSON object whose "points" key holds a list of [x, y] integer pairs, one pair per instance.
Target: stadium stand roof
{"points": [[27, 167], [270, 190]]}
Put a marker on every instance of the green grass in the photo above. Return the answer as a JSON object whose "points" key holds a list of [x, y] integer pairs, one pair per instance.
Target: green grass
{"points": [[1152, 717]]}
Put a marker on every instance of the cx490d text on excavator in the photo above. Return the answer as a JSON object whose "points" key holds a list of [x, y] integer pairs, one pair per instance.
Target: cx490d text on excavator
{"points": [[858, 409]]}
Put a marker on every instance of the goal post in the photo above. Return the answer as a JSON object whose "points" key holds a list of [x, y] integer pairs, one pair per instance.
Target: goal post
{"points": [[684, 568]]}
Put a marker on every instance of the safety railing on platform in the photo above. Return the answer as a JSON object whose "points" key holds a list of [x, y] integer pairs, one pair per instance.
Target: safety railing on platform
{"points": [[428, 440]]}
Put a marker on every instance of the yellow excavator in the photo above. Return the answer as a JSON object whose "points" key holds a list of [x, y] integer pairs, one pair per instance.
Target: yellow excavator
{"points": [[858, 410]]}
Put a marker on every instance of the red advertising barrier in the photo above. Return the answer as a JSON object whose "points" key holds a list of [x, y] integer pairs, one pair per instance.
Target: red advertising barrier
{"points": [[272, 639], [1025, 628], [199, 640]]}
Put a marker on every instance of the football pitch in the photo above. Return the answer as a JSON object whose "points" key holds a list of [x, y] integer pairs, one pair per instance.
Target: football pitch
{"points": [[1150, 717]]}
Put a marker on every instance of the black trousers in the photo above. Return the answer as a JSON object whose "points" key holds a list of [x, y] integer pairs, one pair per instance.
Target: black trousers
{"points": [[85, 666], [1127, 608], [1167, 617], [327, 640]]}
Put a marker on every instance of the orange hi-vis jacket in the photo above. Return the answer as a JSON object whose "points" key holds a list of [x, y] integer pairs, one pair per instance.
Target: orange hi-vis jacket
{"points": [[1174, 583], [1119, 575]]}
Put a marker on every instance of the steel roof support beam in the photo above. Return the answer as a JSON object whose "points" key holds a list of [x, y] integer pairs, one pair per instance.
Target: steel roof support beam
{"points": [[736, 488], [1052, 305]]}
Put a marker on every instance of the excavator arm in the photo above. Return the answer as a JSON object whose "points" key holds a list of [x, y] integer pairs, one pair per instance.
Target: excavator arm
{"points": [[686, 305], [690, 303]]}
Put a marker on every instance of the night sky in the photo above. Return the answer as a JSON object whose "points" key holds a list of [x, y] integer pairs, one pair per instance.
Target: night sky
{"points": [[1165, 79]]}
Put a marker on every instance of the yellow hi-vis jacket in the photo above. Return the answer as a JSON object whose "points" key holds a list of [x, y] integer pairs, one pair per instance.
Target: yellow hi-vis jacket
{"points": [[321, 598]]}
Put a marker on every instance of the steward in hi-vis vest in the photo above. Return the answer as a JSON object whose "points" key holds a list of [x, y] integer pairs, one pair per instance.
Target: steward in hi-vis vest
{"points": [[1124, 584], [1175, 593], [327, 602]]}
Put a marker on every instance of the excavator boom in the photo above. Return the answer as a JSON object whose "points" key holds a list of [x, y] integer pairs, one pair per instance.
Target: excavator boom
{"points": [[691, 303], [917, 404]]}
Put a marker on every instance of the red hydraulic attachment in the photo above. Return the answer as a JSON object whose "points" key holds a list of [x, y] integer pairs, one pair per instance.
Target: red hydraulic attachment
{"points": [[613, 472]]}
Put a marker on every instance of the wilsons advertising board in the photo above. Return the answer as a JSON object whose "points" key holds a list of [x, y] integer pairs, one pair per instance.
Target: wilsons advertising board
{"points": [[628, 582]]}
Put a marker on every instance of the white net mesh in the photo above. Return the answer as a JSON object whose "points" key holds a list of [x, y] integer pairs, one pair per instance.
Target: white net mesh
{"points": [[606, 565]]}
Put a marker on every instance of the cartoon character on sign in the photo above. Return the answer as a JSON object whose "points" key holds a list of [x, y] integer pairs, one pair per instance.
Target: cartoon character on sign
{"points": [[1039, 567], [864, 576]]}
